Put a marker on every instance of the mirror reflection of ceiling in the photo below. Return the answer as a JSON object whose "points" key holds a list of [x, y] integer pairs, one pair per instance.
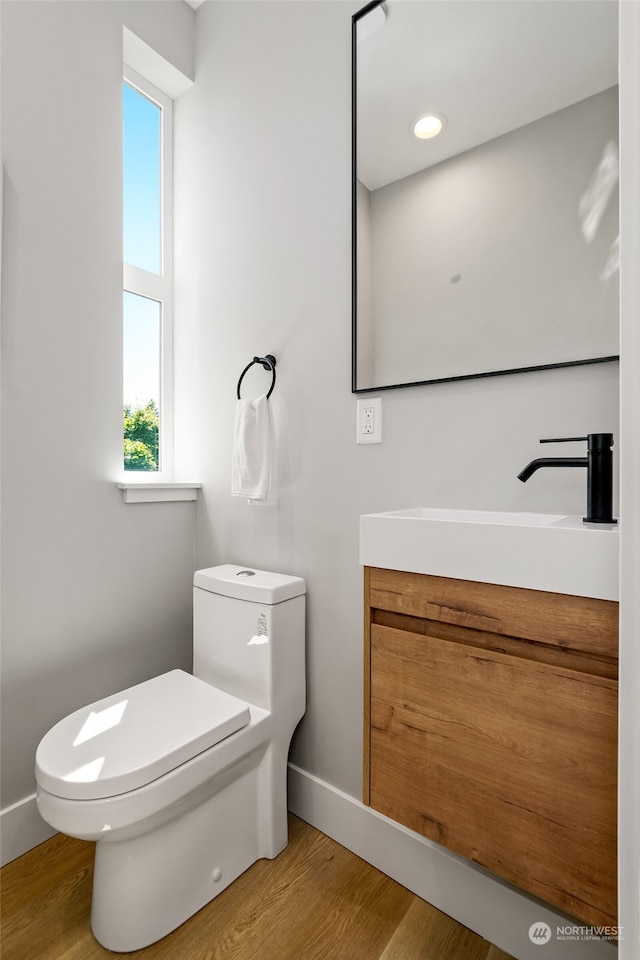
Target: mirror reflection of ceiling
{"points": [[435, 55]]}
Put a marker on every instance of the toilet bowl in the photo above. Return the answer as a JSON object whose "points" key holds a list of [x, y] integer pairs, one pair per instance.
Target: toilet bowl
{"points": [[181, 780]]}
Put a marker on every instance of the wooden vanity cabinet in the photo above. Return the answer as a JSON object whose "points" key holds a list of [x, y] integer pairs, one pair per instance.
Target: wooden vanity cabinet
{"points": [[491, 728]]}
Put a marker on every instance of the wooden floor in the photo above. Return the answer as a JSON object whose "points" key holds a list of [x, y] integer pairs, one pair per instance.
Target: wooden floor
{"points": [[316, 901]]}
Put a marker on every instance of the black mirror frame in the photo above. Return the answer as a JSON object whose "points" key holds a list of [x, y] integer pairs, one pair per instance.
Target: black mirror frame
{"points": [[354, 242]]}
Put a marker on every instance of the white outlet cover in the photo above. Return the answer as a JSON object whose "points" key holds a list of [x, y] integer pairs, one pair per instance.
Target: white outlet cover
{"points": [[369, 403]]}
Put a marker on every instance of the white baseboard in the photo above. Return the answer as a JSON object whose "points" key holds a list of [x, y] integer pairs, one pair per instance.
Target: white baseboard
{"points": [[472, 896], [21, 828]]}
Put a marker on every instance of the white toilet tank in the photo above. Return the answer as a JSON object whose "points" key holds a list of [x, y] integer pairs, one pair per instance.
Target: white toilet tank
{"points": [[249, 635]]}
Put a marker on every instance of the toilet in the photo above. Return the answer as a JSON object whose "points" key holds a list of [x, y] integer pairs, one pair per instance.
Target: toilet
{"points": [[181, 780]]}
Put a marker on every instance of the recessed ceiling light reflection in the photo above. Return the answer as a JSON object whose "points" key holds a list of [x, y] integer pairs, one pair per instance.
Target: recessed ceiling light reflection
{"points": [[430, 125]]}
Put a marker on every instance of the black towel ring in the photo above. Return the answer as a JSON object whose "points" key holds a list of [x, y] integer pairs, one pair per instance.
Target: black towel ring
{"points": [[269, 363]]}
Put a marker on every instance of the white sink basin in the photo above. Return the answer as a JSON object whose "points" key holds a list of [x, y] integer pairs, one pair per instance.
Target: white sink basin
{"points": [[538, 551]]}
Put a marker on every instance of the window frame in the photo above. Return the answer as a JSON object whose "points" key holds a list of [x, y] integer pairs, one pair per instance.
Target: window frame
{"points": [[158, 286]]}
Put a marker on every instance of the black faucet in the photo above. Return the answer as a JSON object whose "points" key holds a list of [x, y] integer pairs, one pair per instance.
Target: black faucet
{"points": [[599, 464]]}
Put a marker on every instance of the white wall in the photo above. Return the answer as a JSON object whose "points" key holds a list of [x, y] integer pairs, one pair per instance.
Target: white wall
{"points": [[96, 593], [264, 257]]}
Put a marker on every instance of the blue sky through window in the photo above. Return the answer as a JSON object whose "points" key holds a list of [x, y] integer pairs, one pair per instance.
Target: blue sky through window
{"points": [[141, 187], [142, 239]]}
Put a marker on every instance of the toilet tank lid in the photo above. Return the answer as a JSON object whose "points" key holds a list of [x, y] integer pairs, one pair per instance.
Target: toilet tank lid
{"points": [[247, 583]]}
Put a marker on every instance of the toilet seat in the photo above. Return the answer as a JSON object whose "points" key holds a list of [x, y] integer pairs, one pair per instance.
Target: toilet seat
{"points": [[133, 737]]}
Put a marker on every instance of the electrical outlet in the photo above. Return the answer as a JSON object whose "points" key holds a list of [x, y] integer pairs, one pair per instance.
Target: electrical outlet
{"points": [[369, 420]]}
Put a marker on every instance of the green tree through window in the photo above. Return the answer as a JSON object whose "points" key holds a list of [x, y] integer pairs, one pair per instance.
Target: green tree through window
{"points": [[141, 432]]}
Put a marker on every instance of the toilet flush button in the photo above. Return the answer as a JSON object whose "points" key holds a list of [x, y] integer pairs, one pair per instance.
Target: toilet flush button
{"points": [[246, 573], [217, 874]]}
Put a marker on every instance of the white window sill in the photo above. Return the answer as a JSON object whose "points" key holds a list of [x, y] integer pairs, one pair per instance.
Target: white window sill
{"points": [[137, 492]]}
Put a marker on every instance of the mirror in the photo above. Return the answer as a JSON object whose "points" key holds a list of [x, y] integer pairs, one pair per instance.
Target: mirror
{"points": [[491, 247]]}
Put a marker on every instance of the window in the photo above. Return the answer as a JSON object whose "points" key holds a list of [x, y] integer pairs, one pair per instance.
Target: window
{"points": [[147, 279]]}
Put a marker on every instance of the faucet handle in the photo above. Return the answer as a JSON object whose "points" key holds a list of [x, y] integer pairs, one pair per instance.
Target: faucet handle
{"points": [[596, 441], [562, 439]]}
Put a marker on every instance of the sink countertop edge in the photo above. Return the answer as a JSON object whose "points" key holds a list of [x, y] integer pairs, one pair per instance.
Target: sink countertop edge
{"points": [[499, 553]]}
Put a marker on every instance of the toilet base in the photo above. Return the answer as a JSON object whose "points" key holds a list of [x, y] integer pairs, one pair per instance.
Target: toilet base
{"points": [[146, 886]]}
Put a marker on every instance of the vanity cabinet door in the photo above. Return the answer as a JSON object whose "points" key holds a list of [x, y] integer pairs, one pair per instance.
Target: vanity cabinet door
{"points": [[508, 761]]}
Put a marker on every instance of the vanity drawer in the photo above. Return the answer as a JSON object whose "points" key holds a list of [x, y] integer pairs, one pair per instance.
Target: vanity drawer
{"points": [[555, 619], [508, 762]]}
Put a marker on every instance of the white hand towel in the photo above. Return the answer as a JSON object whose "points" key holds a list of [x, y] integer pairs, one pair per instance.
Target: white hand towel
{"points": [[254, 472]]}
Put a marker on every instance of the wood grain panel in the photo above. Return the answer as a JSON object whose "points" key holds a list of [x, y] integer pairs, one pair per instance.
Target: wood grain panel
{"points": [[516, 647], [424, 933], [509, 762], [578, 623]]}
